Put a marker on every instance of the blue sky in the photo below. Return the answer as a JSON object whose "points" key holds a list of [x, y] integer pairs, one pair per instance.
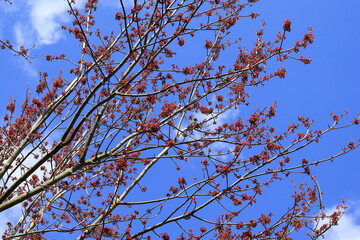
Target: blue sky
{"points": [[329, 84]]}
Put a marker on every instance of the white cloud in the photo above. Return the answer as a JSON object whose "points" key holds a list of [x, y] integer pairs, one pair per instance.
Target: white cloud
{"points": [[14, 213], [35, 23], [22, 36], [225, 117], [348, 226], [39, 21], [11, 215], [46, 17]]}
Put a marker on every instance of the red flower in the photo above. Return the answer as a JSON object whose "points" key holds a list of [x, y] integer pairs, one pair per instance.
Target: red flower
{"points": [[264, 219], [208, 44], [121, 164], [170, 143], [305, 60], [181, 41], [219, 98], [165, 236], [309, 38], [287, 25], [181, 180], [11, 106], [167, 109], [280, 73]]}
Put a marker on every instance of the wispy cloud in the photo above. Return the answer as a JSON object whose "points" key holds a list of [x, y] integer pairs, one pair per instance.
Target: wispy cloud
{"points": [[10, 215], [34, 23], [22, 35], [38, 22], [348, 226], [46, 17], [212, 123], [14, 213]]}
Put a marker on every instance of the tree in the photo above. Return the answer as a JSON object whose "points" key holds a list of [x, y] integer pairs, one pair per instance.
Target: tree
{"points": [[133, 142]]}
